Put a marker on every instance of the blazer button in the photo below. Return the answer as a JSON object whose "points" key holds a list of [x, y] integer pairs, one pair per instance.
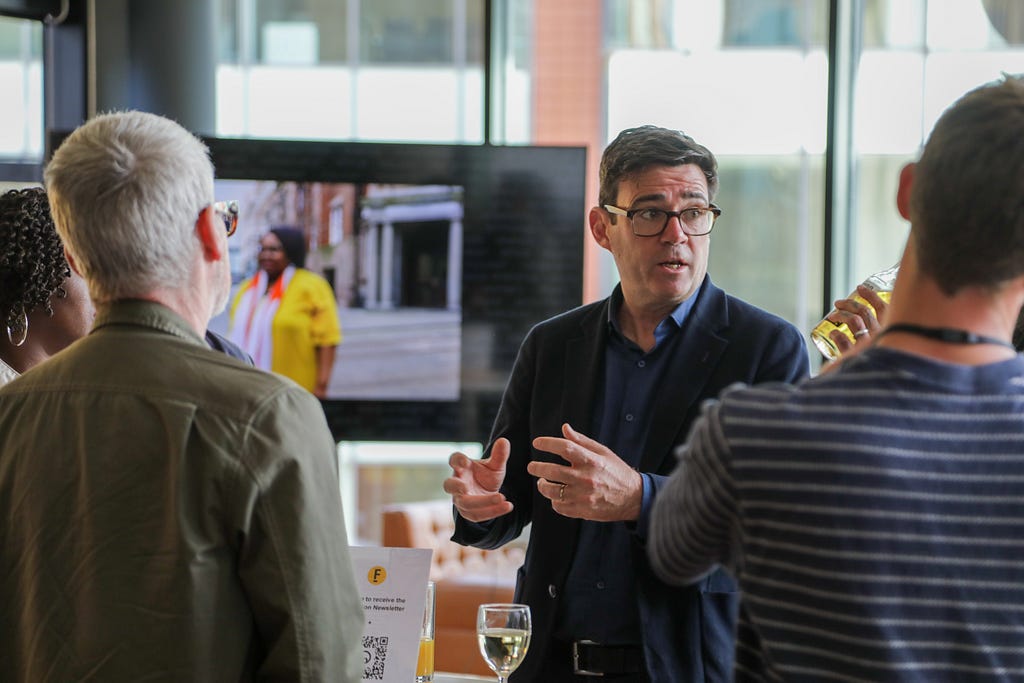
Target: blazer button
{"points": [[552, 591]]}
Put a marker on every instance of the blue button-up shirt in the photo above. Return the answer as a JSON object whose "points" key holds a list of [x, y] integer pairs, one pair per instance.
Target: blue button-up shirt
{"points": [[599, 599]]}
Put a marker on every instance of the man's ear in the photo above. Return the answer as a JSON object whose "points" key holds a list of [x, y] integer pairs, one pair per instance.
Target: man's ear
{"points": [[209, 229], [903, 193], [598, 218]]}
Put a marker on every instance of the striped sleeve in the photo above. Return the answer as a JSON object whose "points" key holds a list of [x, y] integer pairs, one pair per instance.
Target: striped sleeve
{"points": [[694, 516]]}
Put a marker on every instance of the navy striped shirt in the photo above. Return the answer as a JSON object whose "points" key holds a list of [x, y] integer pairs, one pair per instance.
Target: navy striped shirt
{"points": [[874, 518]]}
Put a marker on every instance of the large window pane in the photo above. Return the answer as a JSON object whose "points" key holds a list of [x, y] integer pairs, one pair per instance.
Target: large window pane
{"points": [[358, 70], [917, 57], [512, 43], [21, 82], [749, 81], [767, 246]]}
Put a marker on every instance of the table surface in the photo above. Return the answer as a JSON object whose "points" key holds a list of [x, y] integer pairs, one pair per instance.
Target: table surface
{"points": [[442, 677]]}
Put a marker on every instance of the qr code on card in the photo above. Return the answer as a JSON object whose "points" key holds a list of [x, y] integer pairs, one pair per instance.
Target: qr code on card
{"points": [[375, 653]]}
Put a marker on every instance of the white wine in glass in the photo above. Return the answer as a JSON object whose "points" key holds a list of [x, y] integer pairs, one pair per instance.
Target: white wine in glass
{"points": [[503, 632]]}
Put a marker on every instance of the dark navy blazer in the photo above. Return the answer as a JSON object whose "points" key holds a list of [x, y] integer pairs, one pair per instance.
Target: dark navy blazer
{"points": [[687, 631]]}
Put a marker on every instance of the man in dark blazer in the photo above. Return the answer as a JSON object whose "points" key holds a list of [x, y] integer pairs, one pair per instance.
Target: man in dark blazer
{"points": [[598, 400]]}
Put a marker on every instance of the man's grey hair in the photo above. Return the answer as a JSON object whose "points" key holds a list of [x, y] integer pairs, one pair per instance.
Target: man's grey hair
{"points": [[125, 191]]}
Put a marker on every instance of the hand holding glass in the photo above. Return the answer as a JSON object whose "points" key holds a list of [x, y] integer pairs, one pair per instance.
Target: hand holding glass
{"points": [[882, 283], [503, 632]]}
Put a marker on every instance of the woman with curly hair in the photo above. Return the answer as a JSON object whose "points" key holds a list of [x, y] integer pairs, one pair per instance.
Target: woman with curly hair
{"points": [[44, 305]]}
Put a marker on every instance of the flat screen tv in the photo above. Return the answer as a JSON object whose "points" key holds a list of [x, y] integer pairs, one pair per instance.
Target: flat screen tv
{"points": [[441, 258]]}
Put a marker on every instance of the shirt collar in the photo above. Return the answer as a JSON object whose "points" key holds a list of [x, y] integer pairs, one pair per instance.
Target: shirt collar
{"points": [[673, 321]]}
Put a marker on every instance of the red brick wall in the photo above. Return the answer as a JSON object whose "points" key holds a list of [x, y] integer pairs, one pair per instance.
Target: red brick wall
{"points": [[568, 97]]}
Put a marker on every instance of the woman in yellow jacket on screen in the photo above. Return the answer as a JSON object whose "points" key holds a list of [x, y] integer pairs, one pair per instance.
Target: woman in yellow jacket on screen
{"points": [[285, 316]]}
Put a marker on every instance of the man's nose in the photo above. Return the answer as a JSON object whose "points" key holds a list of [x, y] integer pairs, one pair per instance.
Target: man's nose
{"points": [[673, 232]]}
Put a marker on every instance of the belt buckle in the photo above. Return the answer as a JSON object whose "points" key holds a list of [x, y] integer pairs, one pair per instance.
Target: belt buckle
{"points": [[576, 659]]}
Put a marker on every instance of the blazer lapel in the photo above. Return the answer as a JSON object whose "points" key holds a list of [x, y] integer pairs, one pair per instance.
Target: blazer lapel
{"points": [[687, 374], [584, 368]]}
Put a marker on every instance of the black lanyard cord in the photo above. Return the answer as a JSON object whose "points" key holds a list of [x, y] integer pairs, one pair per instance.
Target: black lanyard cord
{"points": [[945, 334]]}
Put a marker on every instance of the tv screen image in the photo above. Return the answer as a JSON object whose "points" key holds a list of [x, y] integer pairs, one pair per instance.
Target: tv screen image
{"points": [[393, 256], [441, 258]]}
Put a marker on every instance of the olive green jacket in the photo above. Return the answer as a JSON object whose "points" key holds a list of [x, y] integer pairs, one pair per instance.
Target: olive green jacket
{"points": [[169, 514]]}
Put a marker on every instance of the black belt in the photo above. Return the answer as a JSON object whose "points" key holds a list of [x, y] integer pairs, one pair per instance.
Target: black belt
{"points": [[594, 659]]}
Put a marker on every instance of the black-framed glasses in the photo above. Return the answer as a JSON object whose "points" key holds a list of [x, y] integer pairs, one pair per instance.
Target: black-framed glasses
{"points": [[228, 212], [651, 222]]}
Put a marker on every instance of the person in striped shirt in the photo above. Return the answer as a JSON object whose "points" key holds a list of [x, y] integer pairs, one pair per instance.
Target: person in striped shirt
{"points": [[872, 515]]}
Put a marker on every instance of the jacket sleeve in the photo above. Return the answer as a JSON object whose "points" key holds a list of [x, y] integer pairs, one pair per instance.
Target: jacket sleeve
{"points": [[513, 423], [785, 358], [294, 562]]}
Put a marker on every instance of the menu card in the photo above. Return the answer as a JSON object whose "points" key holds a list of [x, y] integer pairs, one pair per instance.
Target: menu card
{"points": [[393, 584]]}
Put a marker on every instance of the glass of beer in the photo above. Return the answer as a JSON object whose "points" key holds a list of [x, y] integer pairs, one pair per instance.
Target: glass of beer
{"points": [[881, 282], [503, 633], [425, 663]]}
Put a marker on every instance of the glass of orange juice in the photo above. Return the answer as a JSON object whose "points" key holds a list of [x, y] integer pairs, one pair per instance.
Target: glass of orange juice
{"points": [[425, 663]]}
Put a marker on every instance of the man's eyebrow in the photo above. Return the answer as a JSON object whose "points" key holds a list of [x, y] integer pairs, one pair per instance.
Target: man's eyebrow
{"points": [[657, 196]]}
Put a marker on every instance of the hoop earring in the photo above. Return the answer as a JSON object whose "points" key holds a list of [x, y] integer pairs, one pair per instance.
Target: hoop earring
{"points": [[17, 328]]}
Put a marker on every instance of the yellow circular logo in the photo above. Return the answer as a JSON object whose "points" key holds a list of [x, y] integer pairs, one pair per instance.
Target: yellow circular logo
{"points": [[377, 575]]}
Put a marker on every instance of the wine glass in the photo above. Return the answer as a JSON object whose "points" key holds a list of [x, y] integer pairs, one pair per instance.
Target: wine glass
{"points": [[503, 633]]}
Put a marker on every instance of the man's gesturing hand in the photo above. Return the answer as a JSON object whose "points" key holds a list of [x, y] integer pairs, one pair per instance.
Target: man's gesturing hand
{"points": [[596, 484], [474, 484]]}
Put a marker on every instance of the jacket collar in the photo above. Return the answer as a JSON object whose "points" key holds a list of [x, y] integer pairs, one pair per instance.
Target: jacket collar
{"points": [[141, 313]]}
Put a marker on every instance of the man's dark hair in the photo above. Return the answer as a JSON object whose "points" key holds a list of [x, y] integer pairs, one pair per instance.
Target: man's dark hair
{"points": [[32, 263], [634, 150], [967, 197]]}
